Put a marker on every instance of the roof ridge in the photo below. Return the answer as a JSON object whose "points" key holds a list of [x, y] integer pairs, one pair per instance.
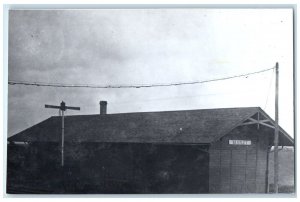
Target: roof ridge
{"points": [[183, 110]]}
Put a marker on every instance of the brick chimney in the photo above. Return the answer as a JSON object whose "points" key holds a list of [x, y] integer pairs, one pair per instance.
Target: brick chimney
{"points": [[103, 107]]}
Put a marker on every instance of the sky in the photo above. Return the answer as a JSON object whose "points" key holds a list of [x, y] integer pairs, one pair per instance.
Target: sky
{"points": [[147, 46]]}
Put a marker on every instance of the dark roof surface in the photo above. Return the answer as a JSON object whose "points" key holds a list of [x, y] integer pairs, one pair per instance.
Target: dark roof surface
{"points": [[191, 126]]}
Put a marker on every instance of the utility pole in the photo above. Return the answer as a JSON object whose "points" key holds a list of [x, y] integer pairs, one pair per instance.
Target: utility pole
{"points": [[276, 166], [62, 108]]}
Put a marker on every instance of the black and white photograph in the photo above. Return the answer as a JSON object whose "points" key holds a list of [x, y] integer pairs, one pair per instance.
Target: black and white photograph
{"points": [[151, 100]]}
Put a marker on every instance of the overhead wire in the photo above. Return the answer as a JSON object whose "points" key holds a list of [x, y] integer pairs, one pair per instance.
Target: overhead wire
{"points": [[61, 85]]}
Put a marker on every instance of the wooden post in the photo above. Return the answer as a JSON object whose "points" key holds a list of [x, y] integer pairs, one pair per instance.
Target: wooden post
{"points": [[267, 170], [276, 165], [61, 109], [258, 121], [62, 137]]}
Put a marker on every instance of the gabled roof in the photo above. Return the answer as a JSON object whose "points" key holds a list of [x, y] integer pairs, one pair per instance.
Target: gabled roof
{"points": [[190, 126]]}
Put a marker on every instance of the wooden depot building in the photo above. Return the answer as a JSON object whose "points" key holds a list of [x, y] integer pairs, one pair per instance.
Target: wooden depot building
{"points": [[193, 151]]}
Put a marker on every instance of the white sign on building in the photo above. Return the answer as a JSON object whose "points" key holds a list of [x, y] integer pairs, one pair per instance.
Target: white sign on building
{"points": [[240, 142]]}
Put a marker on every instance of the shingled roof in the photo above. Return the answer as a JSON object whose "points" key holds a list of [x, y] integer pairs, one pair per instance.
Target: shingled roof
{"points": [[190, 126]]}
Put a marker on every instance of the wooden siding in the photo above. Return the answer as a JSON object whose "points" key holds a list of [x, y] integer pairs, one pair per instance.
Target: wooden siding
{"points": [[239, 168]]}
